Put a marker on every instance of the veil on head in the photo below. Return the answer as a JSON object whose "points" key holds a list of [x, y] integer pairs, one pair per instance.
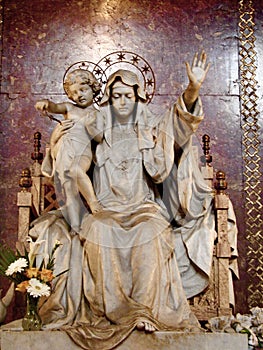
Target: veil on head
{"points": [[127, 77]]}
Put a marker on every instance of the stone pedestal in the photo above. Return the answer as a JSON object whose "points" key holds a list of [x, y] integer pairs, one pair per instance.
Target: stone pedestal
{"points": [[12, 337]]}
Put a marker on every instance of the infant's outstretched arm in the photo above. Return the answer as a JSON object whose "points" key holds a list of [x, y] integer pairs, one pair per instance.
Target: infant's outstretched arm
{"points": [[49, 106]]}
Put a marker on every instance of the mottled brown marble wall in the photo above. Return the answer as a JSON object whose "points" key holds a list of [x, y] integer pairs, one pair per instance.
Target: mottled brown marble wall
{"points": [[40, 39]]}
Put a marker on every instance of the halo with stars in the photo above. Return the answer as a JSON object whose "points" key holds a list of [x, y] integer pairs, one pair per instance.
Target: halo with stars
{"points": [[132, 61]]}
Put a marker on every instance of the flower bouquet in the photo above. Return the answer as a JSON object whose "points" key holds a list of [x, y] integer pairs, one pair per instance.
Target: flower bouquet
{"points": [[29, 278]]}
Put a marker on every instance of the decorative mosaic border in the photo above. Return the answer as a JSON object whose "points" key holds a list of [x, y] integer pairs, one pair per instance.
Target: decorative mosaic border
{"points": [[251, 143]]}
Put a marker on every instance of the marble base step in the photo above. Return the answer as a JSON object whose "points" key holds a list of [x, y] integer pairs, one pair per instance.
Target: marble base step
{"points": [[12, 337]]}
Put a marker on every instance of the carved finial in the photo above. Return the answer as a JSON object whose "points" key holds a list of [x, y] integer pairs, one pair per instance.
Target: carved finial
{"points": [[220, 184], [37, 156], [206, 158], [25, 181]]}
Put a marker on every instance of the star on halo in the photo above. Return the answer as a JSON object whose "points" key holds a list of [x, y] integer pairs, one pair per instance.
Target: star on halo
{"points": [[121, 56], [135, 59], [145, 69]]}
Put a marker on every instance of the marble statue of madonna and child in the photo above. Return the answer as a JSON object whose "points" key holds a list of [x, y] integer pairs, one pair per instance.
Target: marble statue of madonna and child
{"points": [[129, 268]]}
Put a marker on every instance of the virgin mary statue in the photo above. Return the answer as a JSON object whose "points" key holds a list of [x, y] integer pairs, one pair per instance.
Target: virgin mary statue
{"points": [[123, 269]]}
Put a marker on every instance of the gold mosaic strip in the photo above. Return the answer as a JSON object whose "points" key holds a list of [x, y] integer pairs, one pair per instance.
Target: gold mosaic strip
{"points": [[251, 157]]}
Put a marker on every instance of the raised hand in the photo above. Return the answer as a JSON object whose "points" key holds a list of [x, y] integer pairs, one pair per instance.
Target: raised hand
{"points": [[197, 72], [196, 75]]}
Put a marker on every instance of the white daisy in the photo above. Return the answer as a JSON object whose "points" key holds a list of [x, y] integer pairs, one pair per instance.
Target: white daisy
{"points": [[38, 289], [16, 266]]}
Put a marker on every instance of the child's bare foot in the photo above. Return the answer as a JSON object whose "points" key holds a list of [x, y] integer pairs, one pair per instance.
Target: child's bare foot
{"points": [[145, 326]]}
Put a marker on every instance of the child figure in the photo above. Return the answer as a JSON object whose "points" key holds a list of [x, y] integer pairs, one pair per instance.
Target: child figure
{"points": [[71, 153]]}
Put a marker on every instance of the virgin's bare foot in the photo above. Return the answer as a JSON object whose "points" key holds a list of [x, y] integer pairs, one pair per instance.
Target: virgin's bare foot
{"points": [[145, 326], [95, 207]]}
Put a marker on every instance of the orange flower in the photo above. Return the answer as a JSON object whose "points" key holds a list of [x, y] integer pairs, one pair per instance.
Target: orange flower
{"points": [[32, 272], [22, 287], [46, 275]]}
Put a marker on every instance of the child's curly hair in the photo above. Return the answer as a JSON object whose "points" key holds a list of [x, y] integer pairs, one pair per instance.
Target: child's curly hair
{"points": [[83, 77]]}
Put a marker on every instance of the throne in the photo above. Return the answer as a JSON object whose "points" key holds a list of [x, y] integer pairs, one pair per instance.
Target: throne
{"points": [[37, 196]]}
